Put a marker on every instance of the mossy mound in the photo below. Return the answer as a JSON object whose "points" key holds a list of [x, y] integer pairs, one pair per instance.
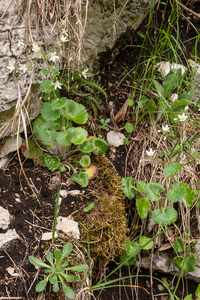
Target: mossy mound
{"points": [[107, 221]]}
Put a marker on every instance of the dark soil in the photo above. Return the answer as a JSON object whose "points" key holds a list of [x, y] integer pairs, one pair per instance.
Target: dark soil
{"points": [[31, 217]]}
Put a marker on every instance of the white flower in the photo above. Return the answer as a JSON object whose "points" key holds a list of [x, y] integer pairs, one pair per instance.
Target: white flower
{"points": [[159, 130], [175, 119], [63, 39], [64, 32], [186, 108], [11, 67], [53, 56], [182, 117], [21, 43], [165, 128], [84, 73], [35, 48], [23, 68], [174, 97], [57, 85], [150, 152], [164, 138]]}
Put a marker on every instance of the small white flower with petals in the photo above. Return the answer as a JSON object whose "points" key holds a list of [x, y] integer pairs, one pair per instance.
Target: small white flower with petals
{"points": [[35, 48], [182, 117], [11, 67], [150, 152], [84, 73], [21, 43], [174, 97], [53, 56], [57, 85], [165, 128], [63, 39], [23, 68], [186, 108]]}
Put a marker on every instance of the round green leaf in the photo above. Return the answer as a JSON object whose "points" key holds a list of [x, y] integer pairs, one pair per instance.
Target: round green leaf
{"points": [[99, 146], [59, 103], [46, 85], [130, 102], [152, 190], [51, 162], [80, 135], [129, 250], [188, 264], [85, 161], [127, 188], [65, 139], [81, 179], [32, 151], [49, 113], [164, 217], [70, 109], [86, 147], [81, 115], [172, 169], [143, 207], [189, 194], [178, 245], [143, 240], [176, 195], [129, 127]]}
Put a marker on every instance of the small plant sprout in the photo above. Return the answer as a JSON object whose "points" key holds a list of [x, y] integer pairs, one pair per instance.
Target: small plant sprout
{"points": [[182, 117], [35, 48], [104, 124], [151, 152], [53, 56], [57, 84]]}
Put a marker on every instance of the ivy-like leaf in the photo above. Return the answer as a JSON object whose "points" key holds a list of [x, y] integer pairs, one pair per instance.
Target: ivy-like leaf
{"points": [[176, 195], [129, 250], [49, 113], [172, 169], [51, 162], [178, 245], [188, 264], [143, 240], [81, 179], [143, 207], [164, 217], [127, 188], [152, 190]]}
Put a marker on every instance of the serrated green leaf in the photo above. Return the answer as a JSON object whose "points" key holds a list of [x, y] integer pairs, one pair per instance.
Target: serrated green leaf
{"points": [[41, 285], [80, 135], [46, 85], [177, 194], [143, 207], [65, 139], [49, 113], [127, 188], [51, 162], [189, 194], [143, 240], [178, 245], [81, 179], [99, 146], [70, 109], [152, 190], [85, 161], [59, 103], [172, 169], [89, 207], [188, 264], [129, 127], [130, 248], [85, 147], [164, 217], [81, 115]]}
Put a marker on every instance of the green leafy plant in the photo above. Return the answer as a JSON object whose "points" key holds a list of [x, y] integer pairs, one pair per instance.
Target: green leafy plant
{"points": [[57, 270], [104, 124]]}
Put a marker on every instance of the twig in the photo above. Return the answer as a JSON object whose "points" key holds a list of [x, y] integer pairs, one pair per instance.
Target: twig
{"points": [[188, 9]]}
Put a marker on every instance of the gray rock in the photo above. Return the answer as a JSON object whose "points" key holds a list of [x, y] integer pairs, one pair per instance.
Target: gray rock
{"points": [[8, 239], [10, 145], [4, 218], [69, 227]]}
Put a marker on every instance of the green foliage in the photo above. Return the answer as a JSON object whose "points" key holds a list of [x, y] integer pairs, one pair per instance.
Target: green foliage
{"points": [[81, 179], [172, 169], [129, 249], [104, 124], [127, 188], [57, 270], [143, 207], [186, 264], [164, 217]]}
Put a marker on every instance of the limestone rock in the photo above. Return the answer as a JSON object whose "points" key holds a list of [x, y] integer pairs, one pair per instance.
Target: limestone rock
{"points": [[115, 138], [69, 227], [164, 67], [4, 218], [46, 236], [8, 239], [195, 84], [10, 145]]}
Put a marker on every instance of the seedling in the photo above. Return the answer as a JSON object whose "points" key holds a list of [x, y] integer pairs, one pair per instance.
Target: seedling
{"points": [[104, 124]]}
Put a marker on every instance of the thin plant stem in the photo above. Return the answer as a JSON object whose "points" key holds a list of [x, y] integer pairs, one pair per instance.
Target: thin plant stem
{"points": [[56, 209]]}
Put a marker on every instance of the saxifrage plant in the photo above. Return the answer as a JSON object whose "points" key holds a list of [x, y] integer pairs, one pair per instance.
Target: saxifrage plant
{"points": [[57, 270]]}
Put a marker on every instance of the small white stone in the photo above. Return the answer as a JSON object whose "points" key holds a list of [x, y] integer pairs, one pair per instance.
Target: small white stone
{"points": [[4, 218], [70, 227], [8, 239], [115, 138], [11, 271], [46, 236], [164, 67]]}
